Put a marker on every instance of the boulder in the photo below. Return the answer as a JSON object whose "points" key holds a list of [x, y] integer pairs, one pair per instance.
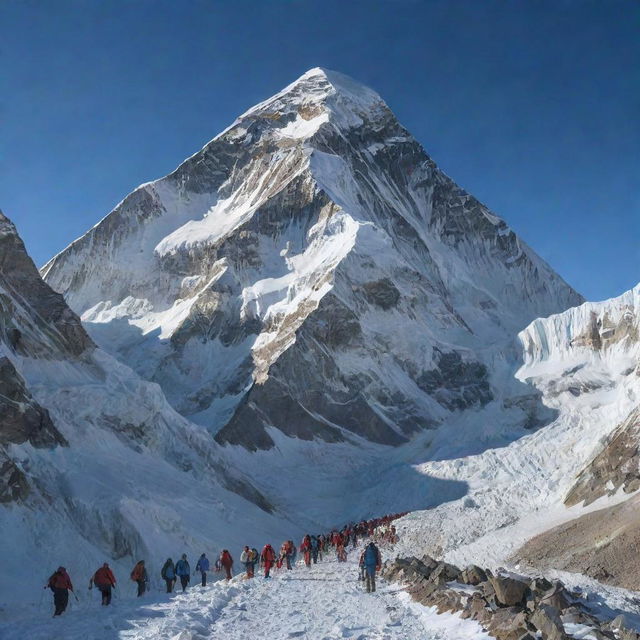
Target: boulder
{"points": [[547, 620], [509, 591], [447, 600], [445, 572], [508, 623], [540, 586], [557, 597], [473, 575], [477, 609]]}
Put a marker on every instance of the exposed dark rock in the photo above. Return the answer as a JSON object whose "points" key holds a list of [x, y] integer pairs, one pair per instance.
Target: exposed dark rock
{"points": [[382, 293], [457, 384], [13, 483], [62, 334], [21, 417], [617, 465]]}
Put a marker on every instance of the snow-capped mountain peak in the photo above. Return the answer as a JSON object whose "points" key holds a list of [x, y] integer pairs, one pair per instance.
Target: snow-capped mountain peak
{"points": [[311, 269], [316, 97]]}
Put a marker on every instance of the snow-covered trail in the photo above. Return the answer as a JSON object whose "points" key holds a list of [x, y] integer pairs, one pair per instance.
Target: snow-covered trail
{"points": [[323, 602]]}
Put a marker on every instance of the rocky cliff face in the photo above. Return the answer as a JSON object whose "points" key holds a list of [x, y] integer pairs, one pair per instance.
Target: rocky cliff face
{"points": [[312, 270], [36, 322]]}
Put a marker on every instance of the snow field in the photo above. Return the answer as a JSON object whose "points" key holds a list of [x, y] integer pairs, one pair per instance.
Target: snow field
{"points": [[323, 602]]}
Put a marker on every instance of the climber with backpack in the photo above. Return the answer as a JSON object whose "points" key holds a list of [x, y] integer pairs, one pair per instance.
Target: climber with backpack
{"points": [[105, 581], [267, 559], [140, 577], [248, 560], [305, 549], [168, 574], [227, 562], [371, 561], [203, 566], [60, 585], [314, 549], [183, 571]]}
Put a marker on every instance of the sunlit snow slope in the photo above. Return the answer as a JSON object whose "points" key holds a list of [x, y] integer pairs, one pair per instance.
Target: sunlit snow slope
{"points": [[585, 362]]}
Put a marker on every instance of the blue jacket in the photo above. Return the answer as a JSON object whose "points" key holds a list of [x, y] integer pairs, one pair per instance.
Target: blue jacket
{"points": [[168, 571], [183, 568], [371, 556], [203, 563]]}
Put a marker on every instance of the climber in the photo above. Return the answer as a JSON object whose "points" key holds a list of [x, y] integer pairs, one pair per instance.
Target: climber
{"points": [[60, 584], [305, 549], [372, 562], [105, 581], [227, 562], [168, 574], [183, 571], [267, 558], [139, 576], [247, 559], [203, 566]]}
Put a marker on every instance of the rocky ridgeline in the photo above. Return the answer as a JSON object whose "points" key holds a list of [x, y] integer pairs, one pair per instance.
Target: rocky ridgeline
{"points": [[508, 606]]}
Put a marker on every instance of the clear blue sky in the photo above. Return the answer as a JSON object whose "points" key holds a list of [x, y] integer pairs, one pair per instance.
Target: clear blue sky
{"points": [[534, 107]]}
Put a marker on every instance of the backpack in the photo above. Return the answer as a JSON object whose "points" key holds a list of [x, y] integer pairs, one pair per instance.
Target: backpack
{"points": [[168, 572], [371, 555], [137, 573]]}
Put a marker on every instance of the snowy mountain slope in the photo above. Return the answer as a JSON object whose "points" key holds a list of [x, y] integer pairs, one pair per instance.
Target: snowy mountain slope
{"points": [[312, 270], [585, 362], [97, 464]]}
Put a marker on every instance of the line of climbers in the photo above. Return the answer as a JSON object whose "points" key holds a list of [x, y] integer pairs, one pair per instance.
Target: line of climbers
{"points": [[313, 548]]}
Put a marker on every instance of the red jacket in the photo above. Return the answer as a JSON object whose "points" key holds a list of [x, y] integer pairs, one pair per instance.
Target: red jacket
{"points": [[104, 576], [226, 560], [60, 580], [268, 554]]}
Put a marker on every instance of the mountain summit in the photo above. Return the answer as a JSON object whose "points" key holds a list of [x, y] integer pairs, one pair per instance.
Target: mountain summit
{"points": [[311, 272]]}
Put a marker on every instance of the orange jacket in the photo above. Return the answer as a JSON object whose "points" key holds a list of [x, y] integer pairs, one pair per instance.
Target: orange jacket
{"points": [[60, 580], [104, 576]]}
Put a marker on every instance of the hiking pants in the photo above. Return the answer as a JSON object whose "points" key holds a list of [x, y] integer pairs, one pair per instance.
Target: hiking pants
{"points": [[267, 569], [204, 578], [142, 587], [170, 582], [60, 600], [314, 555], [184, 581], [288, 557], [227, 569], [370, 578], [105, 590]]}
